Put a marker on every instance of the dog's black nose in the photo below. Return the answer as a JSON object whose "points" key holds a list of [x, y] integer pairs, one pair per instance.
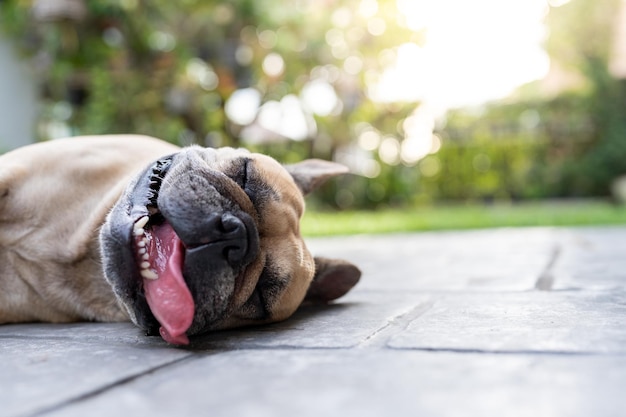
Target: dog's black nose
{"points": [[221, 237]]}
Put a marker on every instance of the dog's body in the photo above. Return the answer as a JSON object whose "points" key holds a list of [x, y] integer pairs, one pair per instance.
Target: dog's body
{"points": [[190, 239]]}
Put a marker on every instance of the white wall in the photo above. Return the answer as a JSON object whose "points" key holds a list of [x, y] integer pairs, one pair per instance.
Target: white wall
{"points": [[18, 99]]}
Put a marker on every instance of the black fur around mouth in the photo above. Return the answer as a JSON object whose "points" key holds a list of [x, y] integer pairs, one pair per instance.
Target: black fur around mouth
{"points": [[157, 175], [218, 242]]}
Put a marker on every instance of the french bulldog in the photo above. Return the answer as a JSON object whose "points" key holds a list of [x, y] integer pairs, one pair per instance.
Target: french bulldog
{"points": [[181, 241]]}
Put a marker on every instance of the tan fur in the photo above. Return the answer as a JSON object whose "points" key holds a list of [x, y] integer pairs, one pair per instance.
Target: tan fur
{"points": [[49, 218], [280, 234], [55, 198]]}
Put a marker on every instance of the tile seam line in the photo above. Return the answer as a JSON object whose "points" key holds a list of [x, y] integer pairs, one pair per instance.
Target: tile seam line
{"points": [[283, 347], [563, 353], [399, 322], [546, 278], [104, 388]]}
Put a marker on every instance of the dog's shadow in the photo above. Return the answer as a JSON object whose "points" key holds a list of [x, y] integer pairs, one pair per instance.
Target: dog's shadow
{"points": [[308, 318], [307, 313]]}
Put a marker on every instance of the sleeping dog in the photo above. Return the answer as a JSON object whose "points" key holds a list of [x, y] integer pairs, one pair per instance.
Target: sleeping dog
{"points": [[179, 240]]}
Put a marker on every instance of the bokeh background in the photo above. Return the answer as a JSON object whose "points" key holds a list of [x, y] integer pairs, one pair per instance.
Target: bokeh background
{"points": [[426, 101]]}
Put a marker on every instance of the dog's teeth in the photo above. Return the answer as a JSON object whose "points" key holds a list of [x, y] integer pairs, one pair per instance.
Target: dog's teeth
{"points": [[138, 232], [145, 256], [139, 224], [148, 274], [145, 265], [141, 244], [142, 251]]}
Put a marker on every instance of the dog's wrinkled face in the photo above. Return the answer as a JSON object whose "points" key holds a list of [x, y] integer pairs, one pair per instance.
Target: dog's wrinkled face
{"points": [[209, 239]]}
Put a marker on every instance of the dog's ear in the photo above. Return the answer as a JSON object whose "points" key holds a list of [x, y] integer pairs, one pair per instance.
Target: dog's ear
{"points": [[333, 278], [311, 173]]}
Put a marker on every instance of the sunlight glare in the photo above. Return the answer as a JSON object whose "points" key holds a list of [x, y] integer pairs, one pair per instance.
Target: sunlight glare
{"points": [[389, 150], [319, 97], [557, 3], [242, 106], [368, 8], [286, 117], [473, 51], [273, 65], [419, 140]]}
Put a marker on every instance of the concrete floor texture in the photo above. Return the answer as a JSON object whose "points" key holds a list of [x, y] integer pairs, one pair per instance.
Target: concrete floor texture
{"points": [[503, 322]]}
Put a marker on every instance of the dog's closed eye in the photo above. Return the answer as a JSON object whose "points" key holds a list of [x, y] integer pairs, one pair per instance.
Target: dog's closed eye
{"points": [[244, 175], [240, 173]]}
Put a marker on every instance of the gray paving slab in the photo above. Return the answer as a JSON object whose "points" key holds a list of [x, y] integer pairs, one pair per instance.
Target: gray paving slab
{"points": [[513, 322], [500, 259], [542, 322], [591, 260], [381, 383], [347, 324], [38, 373], [105, 333]]}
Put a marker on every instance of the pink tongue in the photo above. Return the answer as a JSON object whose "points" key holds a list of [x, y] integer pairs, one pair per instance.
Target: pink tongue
{"points": [[168, 296]]}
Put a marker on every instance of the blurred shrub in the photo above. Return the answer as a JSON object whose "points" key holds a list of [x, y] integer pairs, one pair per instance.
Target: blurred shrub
{"points": [[169, 69]]}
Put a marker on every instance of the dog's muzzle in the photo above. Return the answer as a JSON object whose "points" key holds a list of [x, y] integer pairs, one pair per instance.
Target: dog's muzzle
{"points": [[222, 237], [223, 240], [199, 239]]}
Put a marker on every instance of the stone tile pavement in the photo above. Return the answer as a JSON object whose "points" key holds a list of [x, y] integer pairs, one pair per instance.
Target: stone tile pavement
{"points": [[505, 322]]}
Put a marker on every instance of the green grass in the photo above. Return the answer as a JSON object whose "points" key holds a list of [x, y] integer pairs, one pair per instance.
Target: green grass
{"points": [[450, 217]]}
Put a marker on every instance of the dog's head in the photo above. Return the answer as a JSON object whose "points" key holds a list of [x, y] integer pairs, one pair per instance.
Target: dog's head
{"points": [[208, 239]]}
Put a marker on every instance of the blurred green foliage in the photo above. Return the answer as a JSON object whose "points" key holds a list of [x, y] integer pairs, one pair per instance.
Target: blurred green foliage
{"points": [[168, 69], [572, 145]]}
